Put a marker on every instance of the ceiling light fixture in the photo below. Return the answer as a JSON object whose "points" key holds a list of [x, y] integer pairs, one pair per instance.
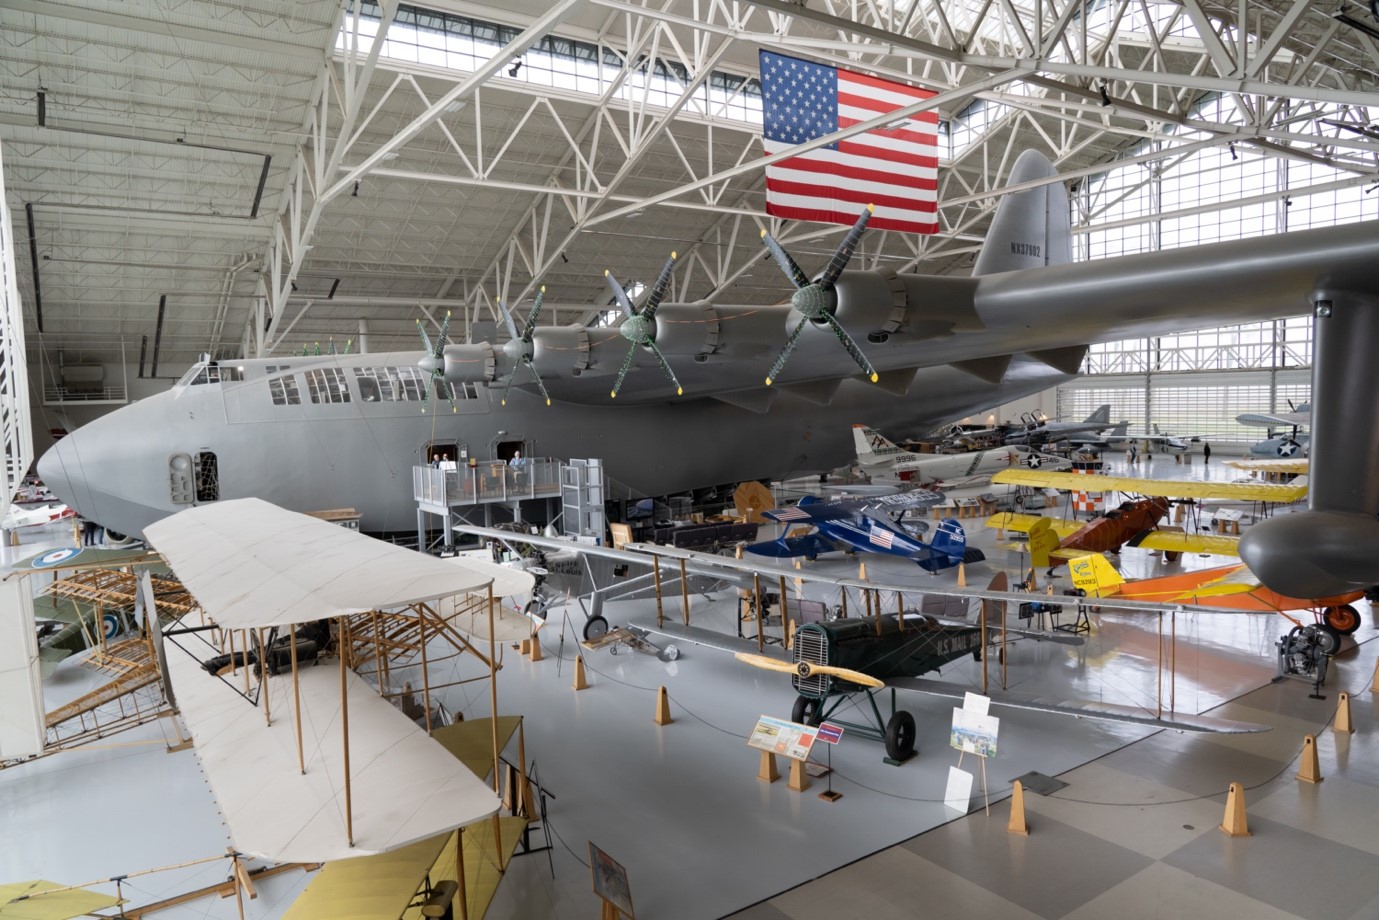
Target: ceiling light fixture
{"points": [[516, 66], [1105, 97], [1234, 155]]}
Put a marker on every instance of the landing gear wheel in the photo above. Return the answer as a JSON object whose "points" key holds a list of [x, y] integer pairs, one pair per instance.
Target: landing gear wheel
{"points": [[900, 736], [595, 628], [1172, 555], [806, 710], [1345, 619]]}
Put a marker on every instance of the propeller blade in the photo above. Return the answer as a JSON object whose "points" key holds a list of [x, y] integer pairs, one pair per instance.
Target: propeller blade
{"points": [[626, 363], [531, 317], [508, 320], [852, 348], [807, 669], [658, 290], [331, 344], [539, 385], [679, 390], [785, 352], [348, 343], [768, 664], [425, 339], [440, 339], [845, 249], [619, 294], [792, 271], [503, 400]]}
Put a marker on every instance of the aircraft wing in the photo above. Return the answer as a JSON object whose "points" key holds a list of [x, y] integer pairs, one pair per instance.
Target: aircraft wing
{"points": [[1279, 420], [1021, 523], [1168, 488], [810, 544], [1176, 541], [847, 507], [1087, 709], [1298, 466], [708, 638]]}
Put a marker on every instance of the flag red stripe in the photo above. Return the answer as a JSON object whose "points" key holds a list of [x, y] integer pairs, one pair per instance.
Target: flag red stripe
{"points": [[882, 106], [839, 217], [834, 193], [898, 181]]}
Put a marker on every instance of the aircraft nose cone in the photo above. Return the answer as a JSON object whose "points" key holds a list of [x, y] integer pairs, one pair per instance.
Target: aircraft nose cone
{"points": [[52, 469], [1313, 553]]}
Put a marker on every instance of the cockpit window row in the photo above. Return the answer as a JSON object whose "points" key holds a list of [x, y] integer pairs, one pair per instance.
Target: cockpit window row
{"points": [[213, 373], [376, 384]]}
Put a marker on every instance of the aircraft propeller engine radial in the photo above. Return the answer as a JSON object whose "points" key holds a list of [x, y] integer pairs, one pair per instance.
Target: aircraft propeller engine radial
{"points": [[434, 360], [519, 347], [818, 299], [639, 328]]}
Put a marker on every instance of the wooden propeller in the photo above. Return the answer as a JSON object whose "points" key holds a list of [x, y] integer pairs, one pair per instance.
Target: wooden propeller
{"points": [[808, 669]]}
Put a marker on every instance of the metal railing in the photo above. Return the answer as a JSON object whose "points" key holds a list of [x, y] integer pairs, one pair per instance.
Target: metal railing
{"points": [[489, 481]]}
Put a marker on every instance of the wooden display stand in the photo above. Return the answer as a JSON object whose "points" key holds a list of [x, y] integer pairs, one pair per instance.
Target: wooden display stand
{"points": [[768, 773], [799, 779]]}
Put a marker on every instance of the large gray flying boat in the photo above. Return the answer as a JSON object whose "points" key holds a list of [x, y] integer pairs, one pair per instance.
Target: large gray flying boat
{"points": [[902, 352]]}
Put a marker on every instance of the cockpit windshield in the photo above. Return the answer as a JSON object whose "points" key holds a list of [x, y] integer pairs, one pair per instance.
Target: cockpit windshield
{"points": [[211, 372]]}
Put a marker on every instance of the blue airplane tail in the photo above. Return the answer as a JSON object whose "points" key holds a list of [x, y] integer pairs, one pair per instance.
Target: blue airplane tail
{"points": [[948, 547]]}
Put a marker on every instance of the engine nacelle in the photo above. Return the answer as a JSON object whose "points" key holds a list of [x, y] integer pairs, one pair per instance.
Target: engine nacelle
{"points": [[872, 304], [470, 363], [687, 328]]}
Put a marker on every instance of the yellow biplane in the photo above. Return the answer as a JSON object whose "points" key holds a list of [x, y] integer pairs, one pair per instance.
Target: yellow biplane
{"points": [[1135, 522]]}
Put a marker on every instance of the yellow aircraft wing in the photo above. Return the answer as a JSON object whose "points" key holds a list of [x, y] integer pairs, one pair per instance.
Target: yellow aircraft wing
{"points": [[1021, 523], [1168, 488], [1177, 541], [1299, 465]]}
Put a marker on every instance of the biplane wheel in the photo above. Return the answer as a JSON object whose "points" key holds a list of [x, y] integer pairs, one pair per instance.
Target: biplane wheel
{"points": [[900, 735], [1345, 619], [594, 628], [806, 710], [1172, 555]]}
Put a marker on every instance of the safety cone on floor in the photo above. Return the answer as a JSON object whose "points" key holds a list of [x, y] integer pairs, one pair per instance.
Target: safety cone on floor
{"points": [[1234, 824], [962, 575], [581, 682], [1374, 684], [1017, 823], [536, 649], [1031, 580], [526, 646], [1310, 770], [663, 707], [1343, 724], [861, 571]]}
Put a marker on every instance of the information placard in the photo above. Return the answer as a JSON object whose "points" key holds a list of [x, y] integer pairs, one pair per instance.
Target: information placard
{"points": [[777, 736]]}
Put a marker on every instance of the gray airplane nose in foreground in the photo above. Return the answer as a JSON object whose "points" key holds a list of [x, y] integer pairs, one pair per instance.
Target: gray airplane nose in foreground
{"points": [[53, 471]]}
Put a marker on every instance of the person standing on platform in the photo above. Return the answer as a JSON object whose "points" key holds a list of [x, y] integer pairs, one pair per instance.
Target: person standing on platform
{"points": [[1206, 453]]}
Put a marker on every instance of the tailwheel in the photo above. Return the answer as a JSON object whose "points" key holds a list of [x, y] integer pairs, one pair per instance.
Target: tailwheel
{"points": [[1345, 619], [1172, 555], [806, 710], [900, 736]]}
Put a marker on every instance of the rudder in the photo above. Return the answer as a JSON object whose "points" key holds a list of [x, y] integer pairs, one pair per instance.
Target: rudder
{"points": [[1032, 228]]}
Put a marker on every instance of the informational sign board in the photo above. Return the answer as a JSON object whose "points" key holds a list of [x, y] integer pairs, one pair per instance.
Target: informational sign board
{"points": [[973, 733], [777, 736], [829, 733], [610, 880]]}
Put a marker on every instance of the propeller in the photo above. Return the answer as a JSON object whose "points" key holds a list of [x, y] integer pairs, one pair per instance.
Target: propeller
{"points": [[639, 327], [816, 300], [807, 669], [519, 348], [433, 362]]}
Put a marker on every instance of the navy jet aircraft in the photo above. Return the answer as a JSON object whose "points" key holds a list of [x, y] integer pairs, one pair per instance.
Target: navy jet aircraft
{"points": [[329, 431]]}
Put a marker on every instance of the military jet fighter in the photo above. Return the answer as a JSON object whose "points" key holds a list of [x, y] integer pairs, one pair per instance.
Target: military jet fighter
{"points": [[906, 352]]}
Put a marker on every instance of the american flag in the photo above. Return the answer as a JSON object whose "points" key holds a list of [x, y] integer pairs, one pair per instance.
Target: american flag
{"points": [[895, 169], [880, 537]]}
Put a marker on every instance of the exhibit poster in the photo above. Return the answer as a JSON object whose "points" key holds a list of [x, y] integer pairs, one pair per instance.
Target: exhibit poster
{"points": [[778, 736], [973, 733], [610, 880]]}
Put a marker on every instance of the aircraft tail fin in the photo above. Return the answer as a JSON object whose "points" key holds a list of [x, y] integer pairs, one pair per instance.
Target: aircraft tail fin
{"points": [[1119, 431], [872, 446], [1094, 574], [949, 540], [1043, 540], [1032, 228], [1102, 415]]}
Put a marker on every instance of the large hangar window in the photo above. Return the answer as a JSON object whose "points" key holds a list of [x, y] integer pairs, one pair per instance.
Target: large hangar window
{"points": [[390, 384], [327, 385]]}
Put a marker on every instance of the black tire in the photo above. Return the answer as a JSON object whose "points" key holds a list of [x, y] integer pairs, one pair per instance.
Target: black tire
{"points": [[1172, 555], [806, 710], [1345, 619], [594, 628], [900, 735]]}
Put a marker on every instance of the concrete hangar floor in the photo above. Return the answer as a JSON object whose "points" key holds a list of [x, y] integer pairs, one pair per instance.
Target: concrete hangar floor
{"points": [[1133, 834]]}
